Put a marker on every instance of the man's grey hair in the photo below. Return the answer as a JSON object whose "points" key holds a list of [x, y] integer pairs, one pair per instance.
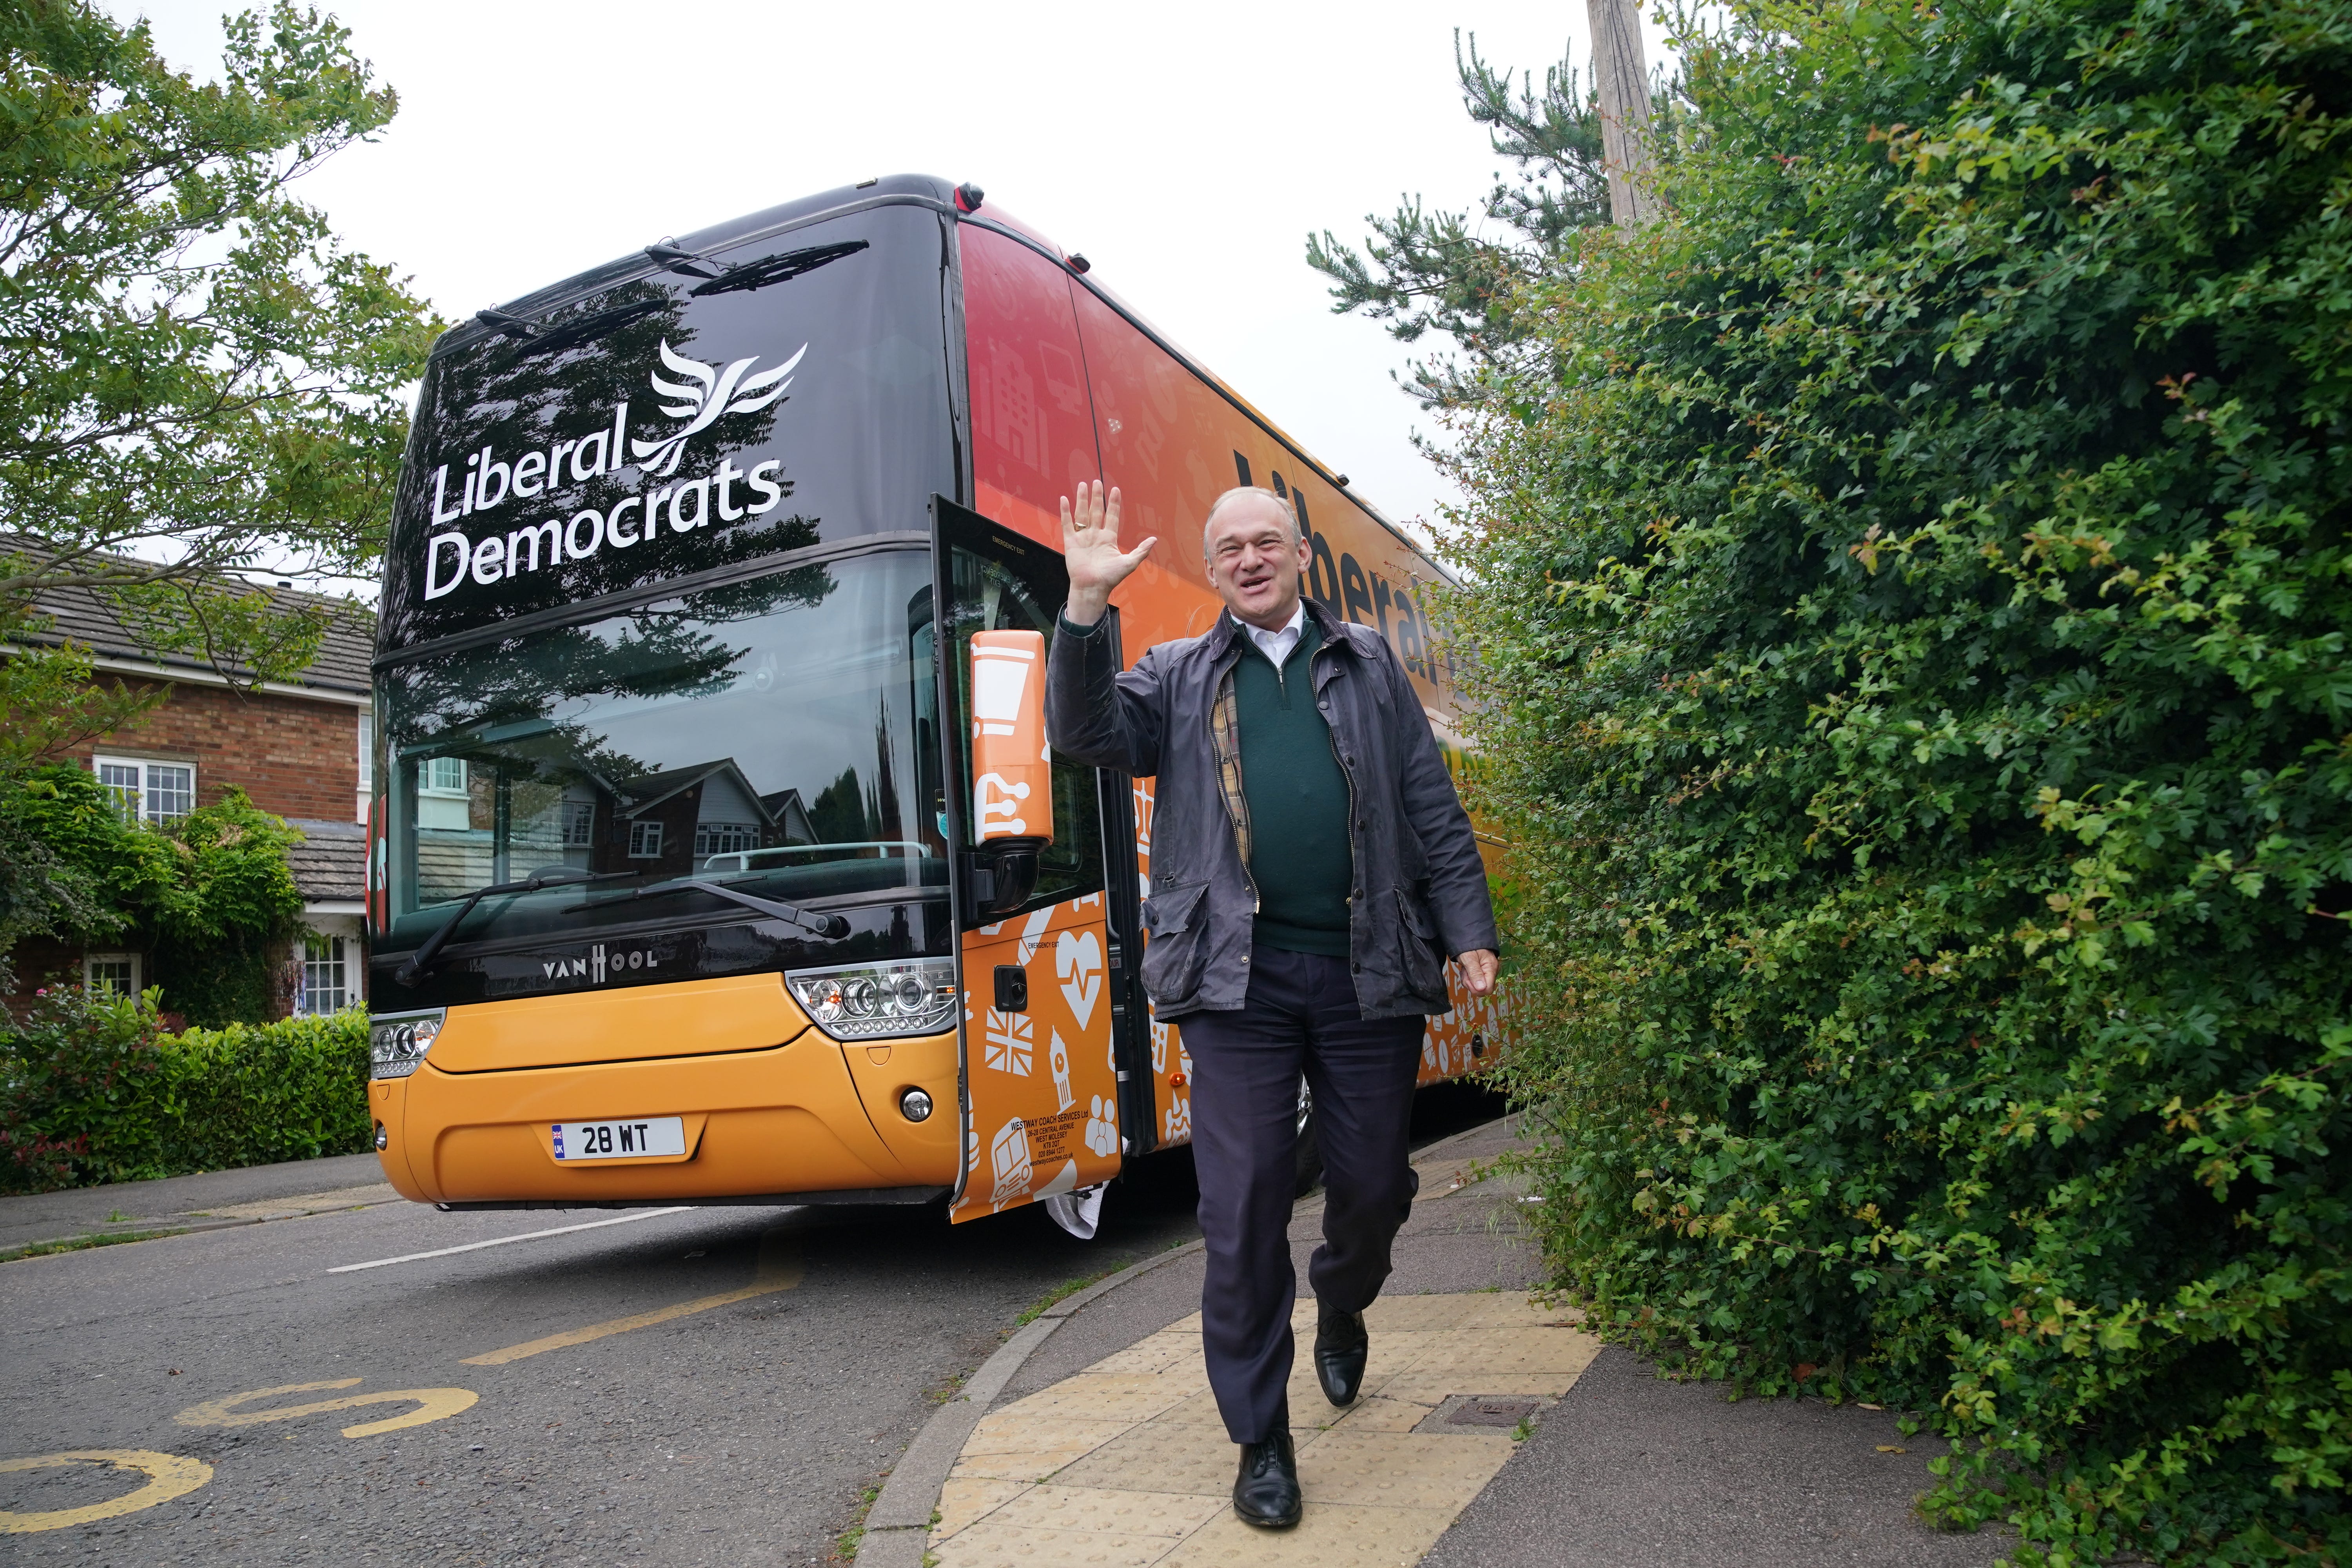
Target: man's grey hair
{"points": [[1290, 513]]}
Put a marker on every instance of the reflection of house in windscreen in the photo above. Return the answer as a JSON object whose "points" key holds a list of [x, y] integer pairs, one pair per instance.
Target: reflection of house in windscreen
{"points": [[674, 821], [476, 826]]}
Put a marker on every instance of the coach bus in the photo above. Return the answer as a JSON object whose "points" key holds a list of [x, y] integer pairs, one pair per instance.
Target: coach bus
{"points": [[680, 889]]}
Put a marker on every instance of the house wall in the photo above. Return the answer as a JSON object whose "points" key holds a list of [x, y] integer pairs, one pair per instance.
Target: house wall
{"points": [[295, 756]]}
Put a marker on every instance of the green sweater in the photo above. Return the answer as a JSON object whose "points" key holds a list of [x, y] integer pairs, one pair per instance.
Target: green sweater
{"points": [[1300, 855]]}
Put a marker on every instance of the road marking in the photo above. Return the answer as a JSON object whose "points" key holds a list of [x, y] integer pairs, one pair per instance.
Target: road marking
{"points": [[510, 1240], [168, 1475], [432, 1404], [779, 1269]]}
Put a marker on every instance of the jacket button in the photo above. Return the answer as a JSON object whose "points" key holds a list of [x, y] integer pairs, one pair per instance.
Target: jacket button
{"points": [[1246, 959], [1356, 968]]}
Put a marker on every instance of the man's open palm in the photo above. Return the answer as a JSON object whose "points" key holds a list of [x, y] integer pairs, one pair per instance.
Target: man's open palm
{"points": [[1090, 551]]}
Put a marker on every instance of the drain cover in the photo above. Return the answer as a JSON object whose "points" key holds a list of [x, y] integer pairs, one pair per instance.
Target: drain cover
{"points": [[1492, 1412]]}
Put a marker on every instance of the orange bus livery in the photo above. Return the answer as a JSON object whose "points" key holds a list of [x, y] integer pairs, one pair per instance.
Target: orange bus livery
{"points": [[717, 854]]}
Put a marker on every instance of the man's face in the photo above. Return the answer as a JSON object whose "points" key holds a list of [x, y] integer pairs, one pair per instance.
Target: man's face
{"points": [[1254, 563]]}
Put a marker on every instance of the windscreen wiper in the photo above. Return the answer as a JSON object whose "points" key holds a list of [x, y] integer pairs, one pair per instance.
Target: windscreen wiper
{"points": [[777, 269], [823, 925], [420, 962]]}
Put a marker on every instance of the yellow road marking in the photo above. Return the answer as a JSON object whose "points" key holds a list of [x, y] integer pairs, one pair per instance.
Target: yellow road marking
{"points": [[779, 1269], [168, 1475], [432, 1404]]}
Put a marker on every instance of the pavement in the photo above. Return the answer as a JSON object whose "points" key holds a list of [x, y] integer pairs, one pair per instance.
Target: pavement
{"points": [[213, 1200], [1492, 1431]]}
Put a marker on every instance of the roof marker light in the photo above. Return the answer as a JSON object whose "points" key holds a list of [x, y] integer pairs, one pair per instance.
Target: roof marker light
{"points": [[968, 197]]}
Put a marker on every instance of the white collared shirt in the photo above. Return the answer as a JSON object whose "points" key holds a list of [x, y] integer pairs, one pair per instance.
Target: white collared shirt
{"points": [[1277, 646]]}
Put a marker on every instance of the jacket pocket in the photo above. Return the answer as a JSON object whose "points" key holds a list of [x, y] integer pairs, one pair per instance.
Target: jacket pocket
{"points": [[1177, 948], [1425, 958], [1169, 909]]}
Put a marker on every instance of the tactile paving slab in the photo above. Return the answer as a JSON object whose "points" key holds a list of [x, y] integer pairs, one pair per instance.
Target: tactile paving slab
{"points": [[1127, 1463]]}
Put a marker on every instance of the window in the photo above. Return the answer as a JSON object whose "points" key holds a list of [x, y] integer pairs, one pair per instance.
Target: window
{"points": [[114, 972], [644, 840], [367, 753], [326, 986], [444, 775], [579, 824], [155, 791], [725, 837], [122, 780]]}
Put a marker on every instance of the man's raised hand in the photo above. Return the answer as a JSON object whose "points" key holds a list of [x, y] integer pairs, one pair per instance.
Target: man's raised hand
{"points": [[1090, 553]]}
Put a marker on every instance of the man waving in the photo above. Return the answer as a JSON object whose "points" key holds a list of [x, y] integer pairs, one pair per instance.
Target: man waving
{"points": [[1311, 870]]}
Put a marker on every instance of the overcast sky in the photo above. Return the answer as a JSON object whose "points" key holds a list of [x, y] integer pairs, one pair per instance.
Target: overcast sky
{"points": [[1187, 150]]}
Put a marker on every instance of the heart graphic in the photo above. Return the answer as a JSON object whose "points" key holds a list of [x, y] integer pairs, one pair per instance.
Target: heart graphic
{"points": [[1077, 960]]}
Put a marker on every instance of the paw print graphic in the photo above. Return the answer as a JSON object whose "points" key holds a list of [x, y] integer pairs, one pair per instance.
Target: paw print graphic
{"points": [[1177, 1123], [1102, 1128]]}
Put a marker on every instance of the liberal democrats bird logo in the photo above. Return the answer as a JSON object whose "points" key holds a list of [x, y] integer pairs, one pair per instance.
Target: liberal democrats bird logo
{"points": [[715, 393]]}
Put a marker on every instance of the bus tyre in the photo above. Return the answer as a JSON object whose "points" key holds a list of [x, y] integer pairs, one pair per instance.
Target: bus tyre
{"points": [[1309, 1147]]}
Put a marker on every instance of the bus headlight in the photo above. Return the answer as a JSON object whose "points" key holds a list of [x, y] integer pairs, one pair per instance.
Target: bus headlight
{"points": [[397, 1042], [875, 1000]]}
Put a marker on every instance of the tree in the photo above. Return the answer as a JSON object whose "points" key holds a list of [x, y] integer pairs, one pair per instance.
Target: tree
{"points": [[1912, 607], [196, 377], [1422, 271]]}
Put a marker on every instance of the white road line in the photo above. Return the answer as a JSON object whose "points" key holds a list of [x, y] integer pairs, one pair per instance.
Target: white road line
{"points": [[504, 1241]]}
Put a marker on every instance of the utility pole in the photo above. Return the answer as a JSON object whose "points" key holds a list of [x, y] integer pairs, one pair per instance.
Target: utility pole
{"points": [[1623, 81]]}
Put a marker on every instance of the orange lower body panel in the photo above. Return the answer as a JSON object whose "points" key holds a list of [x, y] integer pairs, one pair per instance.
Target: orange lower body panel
{"points": [[809, 1115]]}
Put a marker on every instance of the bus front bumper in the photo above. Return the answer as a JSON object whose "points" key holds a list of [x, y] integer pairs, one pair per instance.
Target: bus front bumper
{"points": [[812, 1116]]}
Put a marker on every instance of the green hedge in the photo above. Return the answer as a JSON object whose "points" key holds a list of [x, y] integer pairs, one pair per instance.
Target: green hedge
{"points": [[1912, 602], [92, 1090]]}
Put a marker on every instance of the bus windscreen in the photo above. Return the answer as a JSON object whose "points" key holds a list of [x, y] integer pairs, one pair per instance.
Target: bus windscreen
{"points": [[777, 734], [680, 413]]}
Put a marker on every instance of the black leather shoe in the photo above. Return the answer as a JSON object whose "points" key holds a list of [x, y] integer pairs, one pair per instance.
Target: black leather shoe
{"points": [[1266, 1492], [1341, 1347]]}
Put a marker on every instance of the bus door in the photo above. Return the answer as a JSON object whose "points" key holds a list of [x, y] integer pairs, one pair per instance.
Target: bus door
{"points": [[1041, 1061]]}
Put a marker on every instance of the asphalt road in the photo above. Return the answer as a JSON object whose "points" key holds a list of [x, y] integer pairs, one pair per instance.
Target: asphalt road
{"points": [[707, 1387]]}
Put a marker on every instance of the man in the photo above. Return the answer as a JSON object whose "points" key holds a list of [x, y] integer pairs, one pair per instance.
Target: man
{"points": [[1309, 861]]}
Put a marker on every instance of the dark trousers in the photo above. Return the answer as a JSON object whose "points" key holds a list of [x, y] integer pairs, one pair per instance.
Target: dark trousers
{"points": [[1300, 1015]]}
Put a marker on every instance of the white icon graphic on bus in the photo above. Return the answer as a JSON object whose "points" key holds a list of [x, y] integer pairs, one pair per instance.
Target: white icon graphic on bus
{"points": [[995, 816], [1077, 961], [1057, 1056], [999, 678], [1009, 1152], [1011, 1042], [714, 392], [1102, 1128]]}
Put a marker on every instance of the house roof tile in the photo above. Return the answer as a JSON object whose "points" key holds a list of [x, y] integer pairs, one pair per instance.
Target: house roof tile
{"points": [[81, 615]]}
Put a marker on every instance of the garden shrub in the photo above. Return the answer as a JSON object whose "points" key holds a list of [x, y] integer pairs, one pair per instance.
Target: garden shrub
{"points": [[92, 1089], [1911, 607], [210, 894]]}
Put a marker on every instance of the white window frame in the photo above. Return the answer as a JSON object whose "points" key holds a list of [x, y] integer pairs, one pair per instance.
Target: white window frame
{"points": [[725, 837], [91, 961], [367, 751], [579, 824], [645, 838], [323, 957], [149, 807], [430, 766]]}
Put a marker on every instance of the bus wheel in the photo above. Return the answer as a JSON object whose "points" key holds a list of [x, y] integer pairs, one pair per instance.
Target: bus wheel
{"points": [[1309, 1147]]}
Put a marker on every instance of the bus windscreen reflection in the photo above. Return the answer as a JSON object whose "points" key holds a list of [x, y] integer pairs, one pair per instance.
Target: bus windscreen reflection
{"points": [[779, 732]]}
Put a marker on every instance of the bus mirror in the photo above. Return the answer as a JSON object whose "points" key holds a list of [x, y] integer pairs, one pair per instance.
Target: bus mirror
{"points": [[1012, 776], [998, 880]]}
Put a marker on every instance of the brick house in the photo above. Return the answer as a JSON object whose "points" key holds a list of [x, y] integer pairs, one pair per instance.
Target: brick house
{"points": [[302, 750]]}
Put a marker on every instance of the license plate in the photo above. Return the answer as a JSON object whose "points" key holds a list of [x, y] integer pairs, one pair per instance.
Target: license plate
{"points": [[655, 1135]]}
